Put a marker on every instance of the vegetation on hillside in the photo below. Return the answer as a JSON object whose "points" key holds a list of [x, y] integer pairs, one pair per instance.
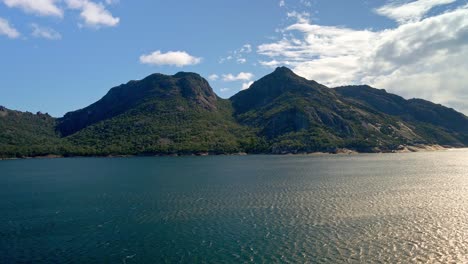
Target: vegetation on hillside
{"points": [[280, 113]]}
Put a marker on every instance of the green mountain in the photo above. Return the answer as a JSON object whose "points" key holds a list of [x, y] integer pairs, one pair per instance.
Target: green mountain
{"points": [[280, 113], [298, 115], [410, 110], [27, 134], [435, 123], [160, 114]]}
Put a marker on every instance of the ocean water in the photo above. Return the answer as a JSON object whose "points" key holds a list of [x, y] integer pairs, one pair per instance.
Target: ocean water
{"points": [[376, 208]]}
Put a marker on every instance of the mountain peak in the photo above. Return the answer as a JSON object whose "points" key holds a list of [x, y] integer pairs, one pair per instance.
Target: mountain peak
{"points": [[284, 74], [274, 85], [283, 70], [183, 74], [151, 92]]}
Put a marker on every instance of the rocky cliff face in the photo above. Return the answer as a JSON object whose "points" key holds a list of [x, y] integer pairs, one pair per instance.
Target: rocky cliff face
{"points": [[290, 110], [410, 110]]}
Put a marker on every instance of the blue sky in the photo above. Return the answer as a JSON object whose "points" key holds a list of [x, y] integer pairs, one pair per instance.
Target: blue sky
{"points": [[61, 55]]}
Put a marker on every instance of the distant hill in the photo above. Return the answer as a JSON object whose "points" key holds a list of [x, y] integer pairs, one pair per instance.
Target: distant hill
{"points": [[434, 122], [280, 113]]}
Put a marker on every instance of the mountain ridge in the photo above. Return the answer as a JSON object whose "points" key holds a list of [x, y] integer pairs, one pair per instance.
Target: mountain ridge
{"points": [[280, 113]]}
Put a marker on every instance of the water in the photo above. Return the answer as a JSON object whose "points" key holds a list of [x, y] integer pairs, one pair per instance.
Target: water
{"points": [[385, 208]]}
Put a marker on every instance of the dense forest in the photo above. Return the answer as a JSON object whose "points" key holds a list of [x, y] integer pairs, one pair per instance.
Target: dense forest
{"points": [[280, 113]]}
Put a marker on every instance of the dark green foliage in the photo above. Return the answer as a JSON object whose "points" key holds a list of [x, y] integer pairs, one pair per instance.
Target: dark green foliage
{"points": [[161, 114], [26, 134], [183, 129], [280, 113]]}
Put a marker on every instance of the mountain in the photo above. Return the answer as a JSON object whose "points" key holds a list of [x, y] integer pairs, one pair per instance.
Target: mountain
{"points": [[279, 113], [188, 87], [160, 114], [410, 110], [434, 122], [26, 134], [298, 115]]}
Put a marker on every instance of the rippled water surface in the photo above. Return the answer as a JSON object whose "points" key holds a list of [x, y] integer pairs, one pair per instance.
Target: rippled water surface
{"points": [[228, 209]]}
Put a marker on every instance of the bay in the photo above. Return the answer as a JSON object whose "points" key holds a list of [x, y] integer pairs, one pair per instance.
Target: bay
{"points": [[366, 208]]}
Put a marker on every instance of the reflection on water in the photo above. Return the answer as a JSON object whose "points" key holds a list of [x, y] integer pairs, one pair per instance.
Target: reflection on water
{"points": [[321, 209]]}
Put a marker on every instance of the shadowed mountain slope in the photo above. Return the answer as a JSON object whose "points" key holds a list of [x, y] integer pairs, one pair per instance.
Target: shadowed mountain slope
{"points": [[160, 114]]}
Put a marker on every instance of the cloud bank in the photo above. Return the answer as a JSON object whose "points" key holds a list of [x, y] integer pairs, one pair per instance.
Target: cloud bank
{"points": [[94, 14], [422, 57], [404, 12]]}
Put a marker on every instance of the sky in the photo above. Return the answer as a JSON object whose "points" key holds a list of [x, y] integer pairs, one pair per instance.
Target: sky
{"points": [[62, 55]]}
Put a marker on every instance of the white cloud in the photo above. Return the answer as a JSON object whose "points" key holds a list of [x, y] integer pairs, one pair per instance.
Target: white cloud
{"points": [[424, 59], [176, 58], [238, 55], [247, 48], [404, 12], [271, 64], [242, 76], [44, 32], [302, 17], [282, 3], [246, 85], [7, 29], [228, 58], [38, 7], [241, 60], [223, 90], [93, 14], [213, 77]]}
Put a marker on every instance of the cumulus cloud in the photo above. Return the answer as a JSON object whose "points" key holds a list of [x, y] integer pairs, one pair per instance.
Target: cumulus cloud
{"points": [[282, 3], [93, 14], [213, 77], [404, 12], [176, 58], [38, 7], [424, 58], [246, 85], [45, 32], [7, 29], [242, 76]]}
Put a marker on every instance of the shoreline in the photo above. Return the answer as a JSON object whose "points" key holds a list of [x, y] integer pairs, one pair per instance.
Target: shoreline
{"points": [[338, 151]]}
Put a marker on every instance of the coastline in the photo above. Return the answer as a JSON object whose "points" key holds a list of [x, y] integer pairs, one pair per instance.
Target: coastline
{"points": [[338, 151]]}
